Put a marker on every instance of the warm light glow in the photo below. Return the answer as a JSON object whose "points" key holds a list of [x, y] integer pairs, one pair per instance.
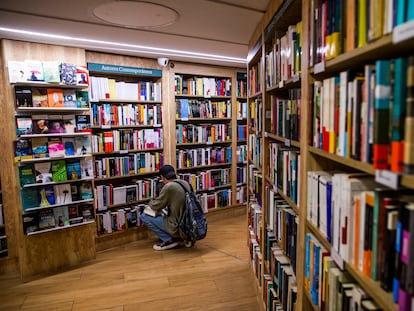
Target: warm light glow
{"points": [[116, 46]]}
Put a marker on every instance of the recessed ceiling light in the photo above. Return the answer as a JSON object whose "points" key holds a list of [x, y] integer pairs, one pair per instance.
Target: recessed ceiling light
{"points": [[136, 14]]}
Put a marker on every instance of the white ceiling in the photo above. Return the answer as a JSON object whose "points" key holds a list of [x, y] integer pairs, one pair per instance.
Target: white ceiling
{"points": [[214, 27]]}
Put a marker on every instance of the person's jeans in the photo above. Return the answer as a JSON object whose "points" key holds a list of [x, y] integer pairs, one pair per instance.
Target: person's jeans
{"points": [[156, 224]]}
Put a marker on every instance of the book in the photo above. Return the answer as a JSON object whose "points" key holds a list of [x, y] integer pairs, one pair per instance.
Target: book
{"points": [[39, 97], [73, 169], [82, 144], [85, 190], [30, 223], [68, 73], [69, 123], [83, 123], [46, 195], [61, 214], [22, 149], [17, 71], [74, 217], [82, 75], [149, 211], [40, 147], [43, 172], [82, 99], [69, 145], [46, 219], [63, 193], [87, 212], [23, 95], [24, 125], [40, 124], [34, 69], [55, 147], [55, 98], [408, 157], [30, 198], [26, 174], [69, 98], [86, 167], [51, 71], [58, 169]]}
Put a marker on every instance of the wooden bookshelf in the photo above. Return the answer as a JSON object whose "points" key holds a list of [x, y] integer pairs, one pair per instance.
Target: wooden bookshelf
{"points": [[279, 16]]}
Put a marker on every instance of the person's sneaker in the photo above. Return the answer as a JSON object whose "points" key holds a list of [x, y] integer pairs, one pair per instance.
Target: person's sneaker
{"points": [[165, 245], [188, 244]]}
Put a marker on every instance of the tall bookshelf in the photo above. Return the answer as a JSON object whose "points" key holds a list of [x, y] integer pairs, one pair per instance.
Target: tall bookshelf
{"points": [[127, 144], [315, 86]]}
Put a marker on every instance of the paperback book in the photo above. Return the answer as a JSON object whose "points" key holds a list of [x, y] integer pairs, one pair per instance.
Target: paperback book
{"points": [[58, 169], [43, 172], [46, 219], [40, 147], [39, 98], [63, 194], [23, 95], [61, 214]]}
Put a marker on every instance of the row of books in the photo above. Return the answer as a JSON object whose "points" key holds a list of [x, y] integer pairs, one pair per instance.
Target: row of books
{"points": [[129, 164], [48, 97], [57, 217], [285, 115], [119, 220], [255, 78], [241, 88], [47, 71], [283, 60], [241, 153], [109, 195], [280, 288], [241, 132], [241, 174], [367, 224], [51, 124], [255, 182], [37, 198], [127, 140], [341, 26], [256, 115], [201, 86], [187, 158], [329, 287], [105, 114], [207, 179], [106, 88], [217, 199], [255, 143], [371, 118], [241, 106], [282, 227], [202, 133], [241, 195], [284, 169], [51, 147], [55, 171], [194, 108]]}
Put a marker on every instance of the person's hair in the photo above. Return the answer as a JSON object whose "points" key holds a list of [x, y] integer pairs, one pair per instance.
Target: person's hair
{"points": [[168, 172]]}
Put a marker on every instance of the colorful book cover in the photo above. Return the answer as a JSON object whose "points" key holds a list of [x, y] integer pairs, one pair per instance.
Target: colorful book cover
{"points": [[46, 219], [83, 123], [55, 98], [82, 99], [86, 167], [40, 147], [17, 71], [63, 194], [22, 149], [43, 172], [69, 98], [85, 190], [23, 95], [82, 144], [69, 145], [61, 214], [46, 195], [35, 70], [30, 198], [40, 124], [58, 169], [82, 75], [51, 71], [73, 169], [55, 147], [68, 73], [39, 97], [24, 125], [26, 174]]}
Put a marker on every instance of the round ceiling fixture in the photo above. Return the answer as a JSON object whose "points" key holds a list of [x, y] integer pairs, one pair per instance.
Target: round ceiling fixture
{"points": [[136, 14]]}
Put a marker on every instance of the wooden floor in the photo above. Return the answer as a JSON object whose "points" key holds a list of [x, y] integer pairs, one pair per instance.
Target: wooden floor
{"points": [[214, 275]]}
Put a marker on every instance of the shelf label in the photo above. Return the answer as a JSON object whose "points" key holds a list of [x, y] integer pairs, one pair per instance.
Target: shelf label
{"points": [[266, 134], [123, 151], [319, 67], [281, 84], [387, 178], [157, 125], [125, 70], [209, 143], [184, 119], [106, 127], [295, 78], [403, 32], [287, 142]]}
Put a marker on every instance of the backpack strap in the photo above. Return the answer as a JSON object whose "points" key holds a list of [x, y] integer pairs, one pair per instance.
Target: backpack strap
{"points": [[182, 186]]}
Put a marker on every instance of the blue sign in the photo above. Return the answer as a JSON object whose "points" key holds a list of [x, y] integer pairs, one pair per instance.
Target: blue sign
{"points": [[124, 70]]}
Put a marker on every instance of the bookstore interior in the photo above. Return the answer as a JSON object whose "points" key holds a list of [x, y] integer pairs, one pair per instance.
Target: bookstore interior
{"points": [[313, 140]]}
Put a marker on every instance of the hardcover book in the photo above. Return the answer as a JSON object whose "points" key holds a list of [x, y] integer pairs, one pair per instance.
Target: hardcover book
{"points": [[87, 211], [39, 97], [82, 145], [22, 149], [34, 70], [55, 147], [55, 98], [46, 219], [17, 71], [43, 172], [69, 145], [85, 191], [30, 223], [58, 169], [30, 198], [68, 73], [40, 147], [23, 95], [61, 214], [82, 99]]}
